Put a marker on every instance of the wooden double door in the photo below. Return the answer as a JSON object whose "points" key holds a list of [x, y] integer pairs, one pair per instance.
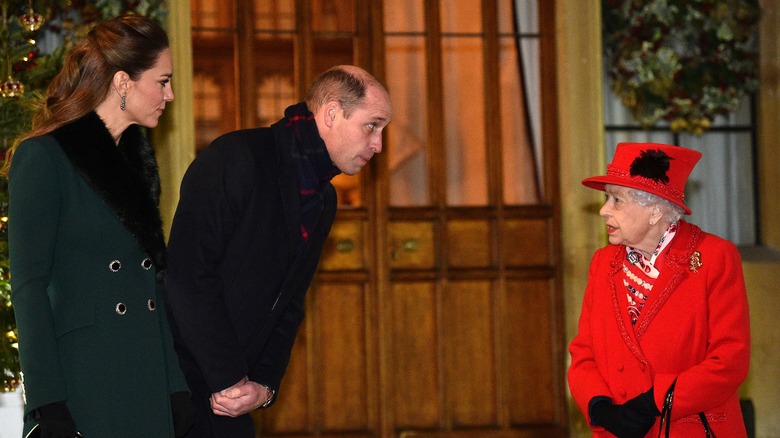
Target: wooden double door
{"points": [[437, 307], [412, 329]]}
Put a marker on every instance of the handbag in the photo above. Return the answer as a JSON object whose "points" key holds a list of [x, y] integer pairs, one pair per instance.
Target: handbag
{"points": [[35, 432], [666, 415]]}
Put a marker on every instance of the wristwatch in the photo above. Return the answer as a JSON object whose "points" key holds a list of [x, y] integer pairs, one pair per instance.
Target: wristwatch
{"points": [[271, 398]]}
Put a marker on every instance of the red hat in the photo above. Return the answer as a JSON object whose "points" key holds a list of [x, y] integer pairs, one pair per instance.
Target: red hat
{"points": [[660, 169]]}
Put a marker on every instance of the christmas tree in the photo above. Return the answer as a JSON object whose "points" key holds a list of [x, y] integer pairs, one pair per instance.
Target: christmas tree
{"points": [[26, 68]]}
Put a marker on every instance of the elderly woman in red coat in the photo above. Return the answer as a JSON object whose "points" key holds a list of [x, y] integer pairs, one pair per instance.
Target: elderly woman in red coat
{"points": [[665, 312]]}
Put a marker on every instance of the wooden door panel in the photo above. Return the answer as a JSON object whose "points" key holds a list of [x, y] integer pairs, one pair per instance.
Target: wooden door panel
{"points": [[531, 374], [341, 365], [327, 386], [411, 245], [468, 243], [526, 432], [467, 333], [527, 242], [413, 355], [345, 248], [290, 413]]}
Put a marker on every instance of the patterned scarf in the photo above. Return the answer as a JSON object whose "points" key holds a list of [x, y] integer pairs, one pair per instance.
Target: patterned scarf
{"points": [[315, 169], [639, 273]]}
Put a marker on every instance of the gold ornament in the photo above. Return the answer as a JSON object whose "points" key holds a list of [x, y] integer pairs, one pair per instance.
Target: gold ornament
{"points": [[11, 88], [32, 20]]}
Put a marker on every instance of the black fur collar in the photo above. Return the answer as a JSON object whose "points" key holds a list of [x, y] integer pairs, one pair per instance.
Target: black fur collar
{"points": [[124, 175]]}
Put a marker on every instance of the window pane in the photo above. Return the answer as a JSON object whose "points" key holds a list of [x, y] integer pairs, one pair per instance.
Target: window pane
{"points": [[274, 79], [461, 16], [464, 122], [520, 105], [274, 15], [520, 181], [331, 51], [527, 16], [531, 60], [518, 16], [213, 13], [333, 15], [214, 86], [742, 116], [404, 16], [506, 19], [723, 177], [406, 135]]}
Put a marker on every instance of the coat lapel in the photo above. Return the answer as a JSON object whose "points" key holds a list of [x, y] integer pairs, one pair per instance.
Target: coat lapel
{"points": [[622, 318], [674, 270], [125, 176]]}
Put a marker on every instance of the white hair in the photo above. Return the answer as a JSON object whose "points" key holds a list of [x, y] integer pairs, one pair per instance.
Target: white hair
{"points": [[671, 211]]}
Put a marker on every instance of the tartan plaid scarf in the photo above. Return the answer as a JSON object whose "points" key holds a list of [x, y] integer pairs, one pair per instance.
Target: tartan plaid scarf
{"points": [[315, 169]]}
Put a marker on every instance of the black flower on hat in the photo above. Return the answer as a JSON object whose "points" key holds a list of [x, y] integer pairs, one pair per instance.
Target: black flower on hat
{"points": [[652, 164]]}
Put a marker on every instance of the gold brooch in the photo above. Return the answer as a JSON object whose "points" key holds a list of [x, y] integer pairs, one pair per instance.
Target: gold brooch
{"points": [[695, 263]]}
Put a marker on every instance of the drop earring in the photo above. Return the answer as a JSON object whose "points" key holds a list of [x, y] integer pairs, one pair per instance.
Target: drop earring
{"points": [[123, 102]]}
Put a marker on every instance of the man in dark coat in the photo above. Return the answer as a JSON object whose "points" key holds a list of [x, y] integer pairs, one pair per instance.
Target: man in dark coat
{"points": [[255, 210]]}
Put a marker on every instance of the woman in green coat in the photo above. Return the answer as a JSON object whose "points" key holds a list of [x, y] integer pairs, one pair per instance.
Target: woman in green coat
{"points": [[86, 245]]}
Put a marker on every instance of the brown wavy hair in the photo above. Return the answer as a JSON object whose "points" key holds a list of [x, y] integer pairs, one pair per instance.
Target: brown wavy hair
{"points": [[129, 43]]}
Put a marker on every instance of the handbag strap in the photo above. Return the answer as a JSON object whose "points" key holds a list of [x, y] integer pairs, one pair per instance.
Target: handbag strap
{"points": [[666, 411], [707, 430], [666, 415]]}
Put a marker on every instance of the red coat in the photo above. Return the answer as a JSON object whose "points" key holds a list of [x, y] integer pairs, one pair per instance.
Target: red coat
{"points": [[694, 327]]}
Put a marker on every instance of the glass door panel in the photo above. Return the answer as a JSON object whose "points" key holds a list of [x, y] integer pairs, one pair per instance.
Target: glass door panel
{"points": [[274, 78], [518, 160], [333, 15], [277, 15], [406, 58], [407, 133], [461, 16], [213, 85], [464, 121], [212, 14]]}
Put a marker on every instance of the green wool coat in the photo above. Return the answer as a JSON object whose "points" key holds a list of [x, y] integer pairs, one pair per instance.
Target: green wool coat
{"points": [[86, 253]]}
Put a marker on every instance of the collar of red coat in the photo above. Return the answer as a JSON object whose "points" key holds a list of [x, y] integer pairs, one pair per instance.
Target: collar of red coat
{"points": [[679, 251]]}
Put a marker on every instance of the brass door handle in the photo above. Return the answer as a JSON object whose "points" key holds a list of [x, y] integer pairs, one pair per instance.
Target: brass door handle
{"points": [[407, 245], [410, 245], [344, 246]]}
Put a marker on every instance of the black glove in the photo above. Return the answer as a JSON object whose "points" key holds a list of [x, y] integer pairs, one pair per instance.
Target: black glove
{"points": [[54, 421], [183, 413], [620, 420], [644, 404]]}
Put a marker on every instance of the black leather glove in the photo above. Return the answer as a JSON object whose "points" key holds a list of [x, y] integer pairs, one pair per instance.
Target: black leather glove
{"points": [[55, 421], [620, 420], [183, 413], [644, 404]]}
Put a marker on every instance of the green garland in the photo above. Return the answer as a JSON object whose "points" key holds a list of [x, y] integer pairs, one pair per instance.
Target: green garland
{"points": [[683, 62], [26, 73]]}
